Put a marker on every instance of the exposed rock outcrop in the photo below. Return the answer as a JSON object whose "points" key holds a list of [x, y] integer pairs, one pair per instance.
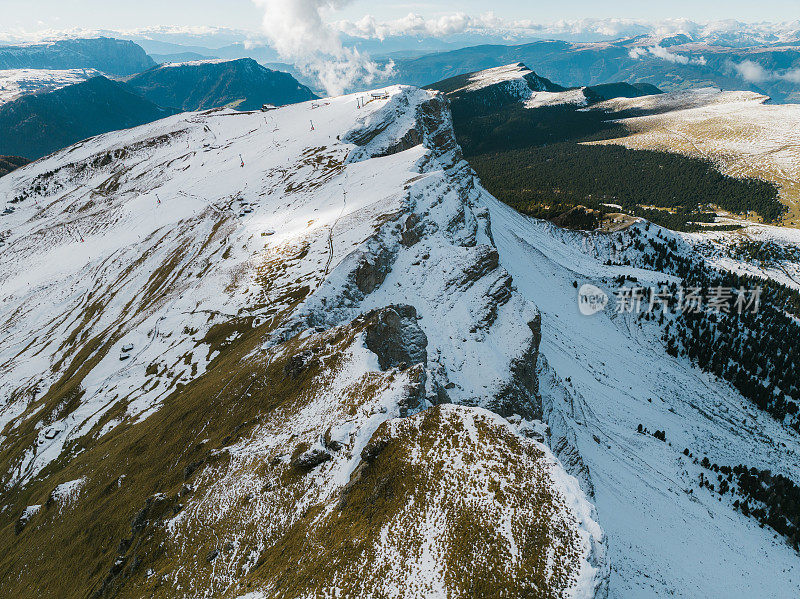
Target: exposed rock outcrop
{"points": [[395, 337]]}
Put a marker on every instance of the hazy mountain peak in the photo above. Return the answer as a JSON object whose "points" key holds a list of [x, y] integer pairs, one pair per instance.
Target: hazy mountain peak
{"points": [[107, 55], [201, 84]]}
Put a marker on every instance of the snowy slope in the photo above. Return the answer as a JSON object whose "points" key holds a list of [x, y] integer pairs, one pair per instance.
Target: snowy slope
{"points": [[499, 86], [683, 100], [604, 375], [192, 63], [571, 96], [506, 73], [19, 82], [211, 322], [723, 250]]}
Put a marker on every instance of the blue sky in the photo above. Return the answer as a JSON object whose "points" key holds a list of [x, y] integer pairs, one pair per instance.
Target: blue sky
{"points": [[115, 14]]}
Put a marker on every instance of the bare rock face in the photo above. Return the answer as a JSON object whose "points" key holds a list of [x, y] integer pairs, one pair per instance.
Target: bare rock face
{"points": [[409, 140], [486, 260], [370, 273], [310, 459], [396, 338], [298, 363], [431, 125], [521, 396], [412, 230], [414, 393]]}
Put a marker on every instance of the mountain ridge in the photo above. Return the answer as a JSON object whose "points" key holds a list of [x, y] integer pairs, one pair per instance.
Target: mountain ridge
{"points": [[200, 85], [276, 359], [674, 68], [298, 394], [108, 55]]}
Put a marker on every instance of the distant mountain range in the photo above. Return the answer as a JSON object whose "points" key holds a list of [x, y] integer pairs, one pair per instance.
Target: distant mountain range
{"points": [[749, 61], [729, 56], [110, 56], [242, 84], [188, 80], [671, 64], [39, 124], [413, 37], [763, 57], [180, 57]]}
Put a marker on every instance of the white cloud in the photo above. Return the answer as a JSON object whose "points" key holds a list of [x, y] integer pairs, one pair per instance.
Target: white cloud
{"points": [[637, 52], [791, 76], [320, 13], [753, 72], [665, 54], [441, 26], [299, 32], [611, 28]]}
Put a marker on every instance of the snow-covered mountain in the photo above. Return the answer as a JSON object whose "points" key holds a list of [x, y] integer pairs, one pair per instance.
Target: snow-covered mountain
{"points": [[45, 110], [107, 55], [305, 353], [38, 124], [671, 63], [19, 82], [275, 352], [491, 89]]}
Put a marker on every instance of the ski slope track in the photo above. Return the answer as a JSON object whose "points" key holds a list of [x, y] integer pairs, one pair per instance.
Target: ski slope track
{"points": [[275, 355]]}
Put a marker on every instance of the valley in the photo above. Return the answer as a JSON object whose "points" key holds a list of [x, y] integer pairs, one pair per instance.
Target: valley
{"points": [[738, 132]]}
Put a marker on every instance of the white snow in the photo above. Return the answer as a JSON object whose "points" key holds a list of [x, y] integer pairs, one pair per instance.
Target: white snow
{"points": [[571, 96], [68, 491], [19, 82], [30, 511], [715, 248], [684, 100], [505, 73], [193, 63], [602, 376]]}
